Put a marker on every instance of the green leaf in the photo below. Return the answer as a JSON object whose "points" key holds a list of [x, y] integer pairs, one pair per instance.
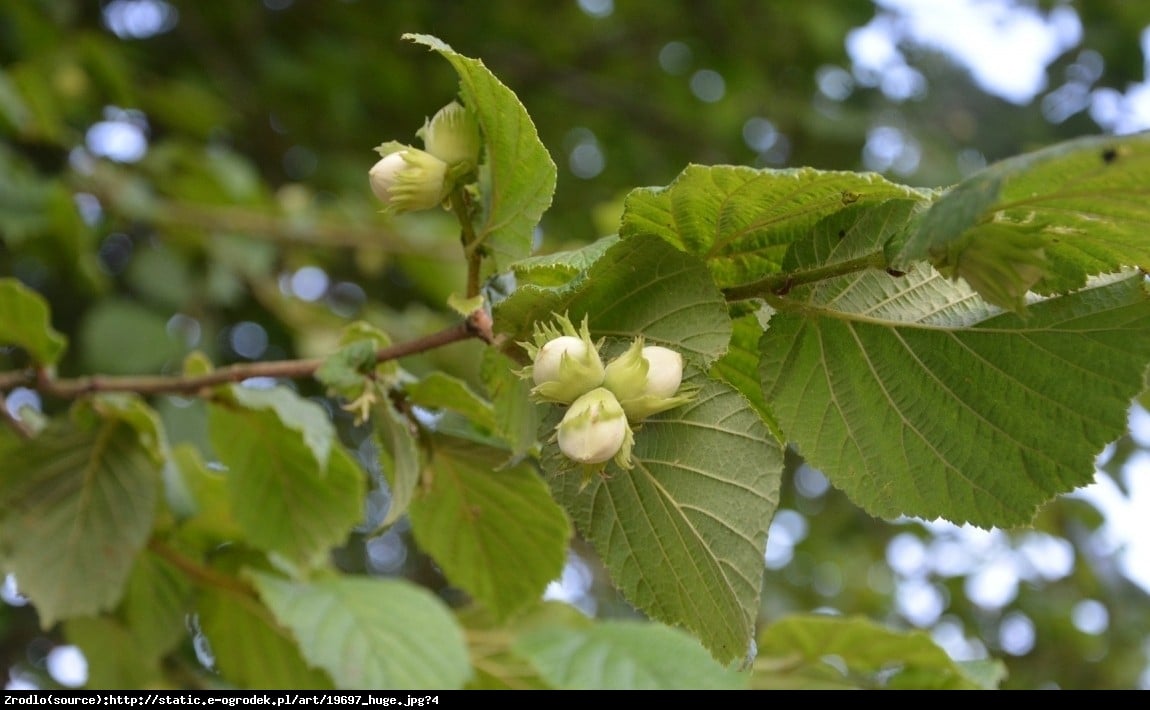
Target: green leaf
{"points": [[345, 371], [492, 527], [741, 221], [123, 337], [740, 368], [442, 391], [301, 416], [209, 503], [250, 648], [401, 462], [516, 416], [76, 506], [13, 110], [496, 664], [136, 412], [353, 367], [371, 633], [916, 398], [155, 605], [292, 491], [1083, 204], [624, 655], [114, 660], [517, 178], [465, 306], [25, 321], [551, 270], [640, 286], [161, 276], [793, 654], [684, 532]]}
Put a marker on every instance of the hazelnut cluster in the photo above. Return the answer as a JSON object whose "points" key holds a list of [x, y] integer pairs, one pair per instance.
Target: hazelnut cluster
{"points": [[603, 401]]}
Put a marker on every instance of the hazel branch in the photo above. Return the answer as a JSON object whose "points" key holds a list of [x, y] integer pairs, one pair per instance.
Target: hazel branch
{"points": [[477, 325]]}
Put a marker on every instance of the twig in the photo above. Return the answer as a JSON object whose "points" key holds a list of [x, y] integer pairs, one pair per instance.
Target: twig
{"points": [[780, 284], [477, 325]]}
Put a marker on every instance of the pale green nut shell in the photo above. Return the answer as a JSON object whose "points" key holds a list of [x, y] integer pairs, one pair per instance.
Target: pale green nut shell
{"points": [[565, 366], [664, 371], [595, 429], [409, 180], [452, 135]]}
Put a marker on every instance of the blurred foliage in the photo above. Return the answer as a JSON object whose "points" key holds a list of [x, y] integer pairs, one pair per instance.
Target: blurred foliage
{"points": [[260, 119]]}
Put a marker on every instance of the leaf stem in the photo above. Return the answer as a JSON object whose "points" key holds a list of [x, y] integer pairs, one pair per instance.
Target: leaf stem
{"points": [[472, 246], [779, 284], [477, 325]]}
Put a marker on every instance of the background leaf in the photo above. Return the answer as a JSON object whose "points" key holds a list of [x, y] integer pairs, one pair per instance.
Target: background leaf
{"points": [[155, 604], [76, 506], [492, 527], [440, 391], [285, 497], [517, 176], [808, 652], [25, 321], [371, 633], [683, 533], [249, 648], [400, 456], [491, 642], [114, 660], [516, 416], [624, 655], [122, 337]]}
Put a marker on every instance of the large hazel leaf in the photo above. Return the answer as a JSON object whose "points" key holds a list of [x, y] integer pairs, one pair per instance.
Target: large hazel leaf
{"points": [[639, 286], [25, 321], [293, 491], [1083, 206], [793, 655], [624, 655], [683, 533], [917, 398], [740, 220], [76, 506], [374, 634], [492, 527], [517, 177]]}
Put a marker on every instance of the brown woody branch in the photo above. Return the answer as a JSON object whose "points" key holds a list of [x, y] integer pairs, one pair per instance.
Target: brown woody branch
{"points": [[477, 325]]}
